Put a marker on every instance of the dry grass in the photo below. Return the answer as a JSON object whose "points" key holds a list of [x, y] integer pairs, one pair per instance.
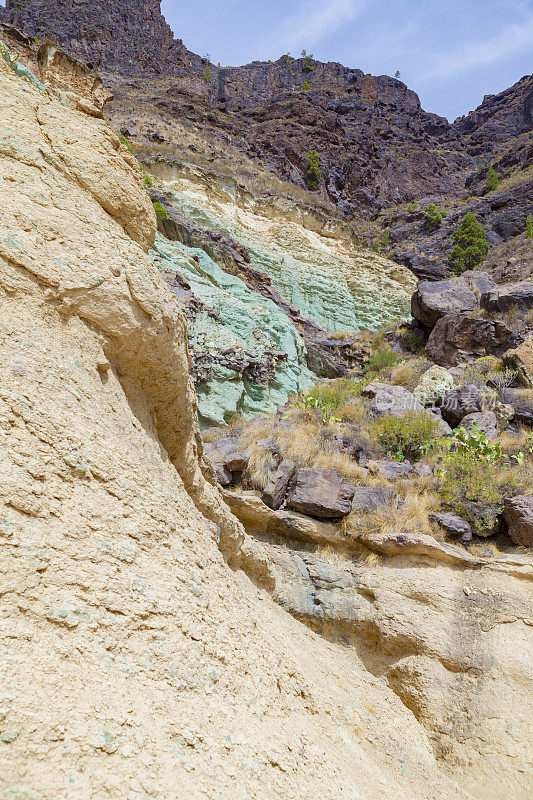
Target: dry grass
{"points": [[407, 514], [408, 373]]}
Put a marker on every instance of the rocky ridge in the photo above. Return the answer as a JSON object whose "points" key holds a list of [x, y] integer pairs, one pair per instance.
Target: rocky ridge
{"points": [[382, 158]]}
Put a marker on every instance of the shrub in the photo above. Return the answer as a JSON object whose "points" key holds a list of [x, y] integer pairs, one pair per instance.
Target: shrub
{"points": [[408, 436], [160, 211], [529, 227], [206, 74], [473, 442], [305, 86], [433, 218], [375, 246], [382, 359], [492, 181], [471, 245], [327, 398], [313, 176], [385, 239]]}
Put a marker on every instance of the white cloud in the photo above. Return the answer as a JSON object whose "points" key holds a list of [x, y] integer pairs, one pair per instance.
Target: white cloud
{"points": [[312, 22], [512, 40]]}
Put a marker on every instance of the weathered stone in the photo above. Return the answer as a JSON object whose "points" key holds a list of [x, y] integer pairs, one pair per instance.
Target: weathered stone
{"points": [[521, 401], [433, 385], [393, 470], [228, 452], [436, 299], [521, 360], [518, 514], [370, 498], [391, 401], [458, 403], [274, 493], [485, 421], [509, 297], [321, 493], [453, 524], [457, 337], [224, 476]]}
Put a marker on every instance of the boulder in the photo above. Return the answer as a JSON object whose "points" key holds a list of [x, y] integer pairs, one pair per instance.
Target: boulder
{"points": [[457, 337], [458, 403], [436, 299], [508, 297], [453, 524], [521, 360], [321, 493], [518, 514], [274, 493], [370, 498], [391, 401], [433, 385], [224, 476], [227, 451], [393, 470], [485, 421]]}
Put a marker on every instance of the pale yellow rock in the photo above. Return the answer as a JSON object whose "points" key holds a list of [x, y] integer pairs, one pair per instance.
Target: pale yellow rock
{"points": [[135, 663], [521, 360]]}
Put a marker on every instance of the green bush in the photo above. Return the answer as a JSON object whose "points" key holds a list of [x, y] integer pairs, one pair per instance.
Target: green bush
{"points": [[313, 176], [160, 211], [409, 436], [529, 227], [305, 86], [471, 245], [492, 181], [382, 359], [206, 74], [385, 239], [433, 218], [375, 246]]}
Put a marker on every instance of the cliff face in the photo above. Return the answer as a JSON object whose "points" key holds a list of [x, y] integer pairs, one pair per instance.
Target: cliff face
{"points": [[135, 662], [130, 36]]}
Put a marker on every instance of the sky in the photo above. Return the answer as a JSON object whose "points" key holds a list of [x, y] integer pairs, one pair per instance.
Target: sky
{"points": [[451, 52]]}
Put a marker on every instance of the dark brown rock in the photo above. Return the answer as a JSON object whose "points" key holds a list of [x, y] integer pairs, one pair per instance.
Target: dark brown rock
{"points": [[456, 338], [460, 402], [321, 493], [518, 514], [453, 524], [274, 493], [369, 498]]}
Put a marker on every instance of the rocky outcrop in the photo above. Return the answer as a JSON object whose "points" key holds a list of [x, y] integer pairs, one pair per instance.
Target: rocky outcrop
{"points": [[134, 658]]}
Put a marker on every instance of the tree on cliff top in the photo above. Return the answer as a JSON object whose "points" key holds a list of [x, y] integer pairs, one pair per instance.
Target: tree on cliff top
{"points": [[471, 245]]}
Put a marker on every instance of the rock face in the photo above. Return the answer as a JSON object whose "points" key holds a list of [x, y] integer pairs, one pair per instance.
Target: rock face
{"points": [[135, 661], [138, 659]]}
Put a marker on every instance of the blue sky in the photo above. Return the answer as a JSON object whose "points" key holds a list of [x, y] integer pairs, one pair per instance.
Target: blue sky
{"points": [[451, 52]]}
